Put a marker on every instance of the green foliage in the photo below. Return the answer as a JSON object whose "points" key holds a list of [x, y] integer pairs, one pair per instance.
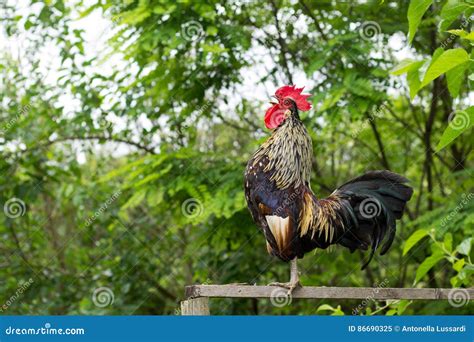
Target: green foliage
{"points": [[334, 311], [441, 64], [451, 11], [452, 63], [445, 228], [415, 12], [129, 154], [414, 239], [464, 120], [427, 264]]}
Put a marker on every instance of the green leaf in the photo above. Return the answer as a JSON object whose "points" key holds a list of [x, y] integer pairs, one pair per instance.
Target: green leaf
{"points": [[469, 36], [446, 61], [448, 242], [450, 12], [28, 25], [332, 99], [459, 33], [415, 12], [338, 311], [465, 246], [413, 75], [211, 30], [438, 52], [413, 79], [135, 200], [427, 265], [455, 281], [335, 311], [213, 48], [154, 197], [461, 122], [463, 34], [402, 305], [135, 16], [455, 78], [458, 265], [405, 66], [316, 64], [413, 240], [325, 307]]}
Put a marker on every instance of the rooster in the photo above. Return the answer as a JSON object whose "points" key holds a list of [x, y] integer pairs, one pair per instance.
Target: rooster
{"points": [[360, 214]]}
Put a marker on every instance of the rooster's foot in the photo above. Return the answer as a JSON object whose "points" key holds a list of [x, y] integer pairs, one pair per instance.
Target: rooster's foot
{"points": [[291, 285]]}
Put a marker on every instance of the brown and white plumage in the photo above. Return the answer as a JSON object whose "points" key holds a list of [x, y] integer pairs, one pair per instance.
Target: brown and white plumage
{"points": [[360, 214]]}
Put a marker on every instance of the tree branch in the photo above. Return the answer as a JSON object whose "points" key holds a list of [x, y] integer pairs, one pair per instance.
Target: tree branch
{"points": [[419, 134], [420, 193], [232, 124], [359, 141], [99, 137], [310, 14], [18, 245], [281, 42], [404, 123], [378, 138]]}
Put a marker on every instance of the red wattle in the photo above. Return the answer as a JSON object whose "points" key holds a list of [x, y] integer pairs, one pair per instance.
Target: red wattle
{"points": [[274, 117]]}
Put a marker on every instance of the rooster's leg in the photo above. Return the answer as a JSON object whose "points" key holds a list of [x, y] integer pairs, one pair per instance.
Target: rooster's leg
{"points": [[294, 278]]}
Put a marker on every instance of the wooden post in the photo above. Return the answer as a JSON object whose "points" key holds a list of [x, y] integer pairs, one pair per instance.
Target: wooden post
{"points": [[253, 291], [195, 307], [197, 302]]}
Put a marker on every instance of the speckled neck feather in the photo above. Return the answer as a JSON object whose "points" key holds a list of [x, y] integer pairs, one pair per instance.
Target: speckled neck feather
{"points": [[289, 151]]}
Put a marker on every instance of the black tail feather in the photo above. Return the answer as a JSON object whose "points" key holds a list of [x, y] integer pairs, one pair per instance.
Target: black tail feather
{"points": [[377, 199]]}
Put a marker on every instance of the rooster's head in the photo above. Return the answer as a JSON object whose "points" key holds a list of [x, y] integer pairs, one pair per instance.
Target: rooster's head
{"points": [[290, 100]]}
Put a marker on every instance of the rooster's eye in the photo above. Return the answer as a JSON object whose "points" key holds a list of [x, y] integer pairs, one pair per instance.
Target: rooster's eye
{"points": [[287, 102]]}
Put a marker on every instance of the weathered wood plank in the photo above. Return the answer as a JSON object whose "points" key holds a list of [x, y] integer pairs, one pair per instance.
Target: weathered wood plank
{"points": [[253, 291], [195, 307]]}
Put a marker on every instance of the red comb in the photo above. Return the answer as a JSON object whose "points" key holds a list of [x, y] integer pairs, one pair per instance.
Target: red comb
{"points": [[295, 94]]}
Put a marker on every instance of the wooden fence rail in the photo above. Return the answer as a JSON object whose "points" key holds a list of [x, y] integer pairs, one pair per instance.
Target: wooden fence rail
{"points": [[197, 302]]}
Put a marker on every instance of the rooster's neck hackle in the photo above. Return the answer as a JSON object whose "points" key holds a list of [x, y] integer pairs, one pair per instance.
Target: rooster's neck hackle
{"points": [[289, 152]]}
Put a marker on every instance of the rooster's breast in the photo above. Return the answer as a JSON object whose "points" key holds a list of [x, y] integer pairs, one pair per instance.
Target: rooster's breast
{"points": [[274, 210]]}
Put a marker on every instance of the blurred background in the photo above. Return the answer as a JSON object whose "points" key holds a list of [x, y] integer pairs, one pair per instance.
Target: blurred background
{"points": [[126, 125]]}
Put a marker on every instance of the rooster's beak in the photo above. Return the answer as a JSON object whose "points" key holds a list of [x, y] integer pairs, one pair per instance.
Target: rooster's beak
{"points": [[274, 102]]}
